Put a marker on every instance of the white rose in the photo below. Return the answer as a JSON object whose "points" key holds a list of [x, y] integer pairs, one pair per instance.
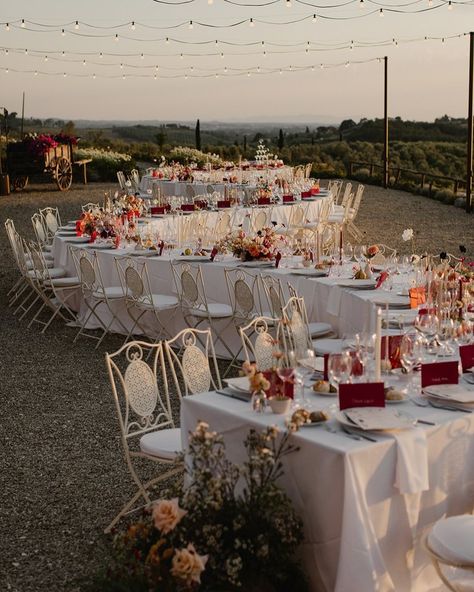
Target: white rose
{"points": [[187, 565], [167, 514], [407, 234]]}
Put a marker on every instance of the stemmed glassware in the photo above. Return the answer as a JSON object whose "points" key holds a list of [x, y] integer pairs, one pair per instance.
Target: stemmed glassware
{"points": [[339, 368]]}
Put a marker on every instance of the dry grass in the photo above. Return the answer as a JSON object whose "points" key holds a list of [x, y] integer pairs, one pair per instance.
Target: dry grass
{"points": [[62, 467]]}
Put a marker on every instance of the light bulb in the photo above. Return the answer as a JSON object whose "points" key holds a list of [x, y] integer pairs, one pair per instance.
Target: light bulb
{"points": [[23, 23], [181, 56], [450, 5], [7, 27], [101, 55], [84, 63], [361, 3], [321, 66], [210, 2], [314, 18], [222, 56], [156, 68], [132, 26], [430, 3], [36, 72], [248, 74], [264, 54], [217, 75], [347, 64], [190, 26], [281, 71], [225, 69], [167, 41], [121, 66], [76, 26], [142, 57], [154, 76], [6, 71], [63, 32], [93, 76], [288, 3], [63, 53], [251, 23], [123, 77], [116, 37], [64, 75], [46, 58], [381, 12], [26, 52]]}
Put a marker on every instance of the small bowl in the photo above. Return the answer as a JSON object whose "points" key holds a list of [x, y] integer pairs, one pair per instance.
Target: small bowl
{"points": [[279, 406]]}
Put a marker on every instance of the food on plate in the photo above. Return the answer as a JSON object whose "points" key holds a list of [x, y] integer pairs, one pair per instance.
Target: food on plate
{"points": [[323, 386], [360, 275], [385, 365], [318, 416], [187, 252], [392, 394]]}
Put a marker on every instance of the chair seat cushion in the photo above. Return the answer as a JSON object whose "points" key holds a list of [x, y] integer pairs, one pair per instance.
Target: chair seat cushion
{"points": [[64, 282], [47, 247], [319, 329], [110, 292], [336, 218], [327, 346], [162, 443], [54, 272], [453, 539], [160, 302], [216, 310]]}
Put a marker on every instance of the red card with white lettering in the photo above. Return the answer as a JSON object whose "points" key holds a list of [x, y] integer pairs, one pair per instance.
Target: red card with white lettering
{"points": [[439, 373], [467, 356], [361, 394]]}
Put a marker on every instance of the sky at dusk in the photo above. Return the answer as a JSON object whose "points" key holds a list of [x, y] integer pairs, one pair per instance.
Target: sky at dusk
{"points": [[427, 78]]}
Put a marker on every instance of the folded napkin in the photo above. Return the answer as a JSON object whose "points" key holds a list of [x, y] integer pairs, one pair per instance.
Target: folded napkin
{"points": [[411, 474]]}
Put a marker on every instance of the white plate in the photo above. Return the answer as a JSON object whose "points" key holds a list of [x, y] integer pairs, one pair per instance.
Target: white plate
{"points": [[395, 402], [382, 418], [240, 383], [103, 245], [192, 258], [451, 392], [358, 284], [66, 233], [257, 264], [309, 271], [143, 253], [76, 239]]}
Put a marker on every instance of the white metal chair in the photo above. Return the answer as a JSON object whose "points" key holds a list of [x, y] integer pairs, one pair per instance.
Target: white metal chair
{"points": [[295, 332], [194, 303], [264, 346], [53, 287], [96, 295], [145, 416], [259, 220], [90, 206], [450, 545], [122, 179], [140, 299], [335, 186], [41, 234], [193, 369], [352, 214], [52, 220], [316, 329], [274, 294]]}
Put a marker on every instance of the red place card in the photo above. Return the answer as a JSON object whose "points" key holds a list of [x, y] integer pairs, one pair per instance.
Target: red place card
{"points": [[223, 203], [361, 394], [439, 373], [288, 199], [263, 201], [467, 356]]}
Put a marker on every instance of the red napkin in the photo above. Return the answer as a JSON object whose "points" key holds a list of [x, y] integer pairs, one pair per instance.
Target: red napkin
{"points": [[157, 210], [93, 236], [263, 201], [187, 208], [277, 259], [382, 277], [223, 203], [288, 199], [306, 194]]}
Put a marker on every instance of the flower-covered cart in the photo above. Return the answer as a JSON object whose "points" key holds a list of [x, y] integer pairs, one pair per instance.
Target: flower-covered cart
{"points": [[38, 156]]}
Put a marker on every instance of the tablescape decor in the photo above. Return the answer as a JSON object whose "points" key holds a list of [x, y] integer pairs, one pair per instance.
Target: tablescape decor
{"points": [[97, 223], [439, 373], [280, 405], [302, 418], [361, 394], [276, 382], [375, 418], [231, 527], [263, 246]]}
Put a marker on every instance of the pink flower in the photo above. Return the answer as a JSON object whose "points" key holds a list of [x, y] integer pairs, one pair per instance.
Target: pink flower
{"points": [[187, 565], [167, 514]]}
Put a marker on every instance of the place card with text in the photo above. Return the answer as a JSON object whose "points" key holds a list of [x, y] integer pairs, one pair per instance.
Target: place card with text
{"points": [[361, 394], [467, 356], [439, 373]]}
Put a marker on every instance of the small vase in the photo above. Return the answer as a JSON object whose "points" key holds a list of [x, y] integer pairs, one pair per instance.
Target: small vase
{"points": [[259, 401], [368, 271], [279, 405]]}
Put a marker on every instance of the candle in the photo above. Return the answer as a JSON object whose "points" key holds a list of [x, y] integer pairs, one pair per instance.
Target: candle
{"points": [[318, 252], [340, 244], [378, 345]]}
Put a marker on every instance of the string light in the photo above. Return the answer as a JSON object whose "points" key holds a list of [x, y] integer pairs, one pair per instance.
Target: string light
{"points": [[93, 76], [142, 56], [23, 25], [7, 27], [132, 26], [190, 26], [84, 63], [288, 3], [76, 26], [450, 5], [381, 12], [116, 37], [314, 19], [45, 58], [63, 32], [251, 23]]}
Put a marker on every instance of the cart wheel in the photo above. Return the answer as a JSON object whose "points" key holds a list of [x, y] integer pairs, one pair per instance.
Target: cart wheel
{"points": [[63, 174], [19, 183]]}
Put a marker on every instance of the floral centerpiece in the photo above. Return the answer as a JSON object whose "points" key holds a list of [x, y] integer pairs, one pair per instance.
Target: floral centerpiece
{"points": [[131, 205], [97, 223], [262, 246], [372, 251], [231, 528]]}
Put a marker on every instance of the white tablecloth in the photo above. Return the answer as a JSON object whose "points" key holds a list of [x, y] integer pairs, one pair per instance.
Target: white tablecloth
{"points": [[357, 532], [178, 188]]}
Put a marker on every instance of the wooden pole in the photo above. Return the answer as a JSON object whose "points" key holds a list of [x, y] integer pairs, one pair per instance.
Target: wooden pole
{"points": [[22, 114], [385, 116], [470, 130]]}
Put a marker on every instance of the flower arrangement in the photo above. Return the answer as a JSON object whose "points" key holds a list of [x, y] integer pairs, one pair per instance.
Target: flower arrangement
{"points": [[131, 205], [262, 246], [97, 223], [191, 156], [372, 251], [231, 528]]}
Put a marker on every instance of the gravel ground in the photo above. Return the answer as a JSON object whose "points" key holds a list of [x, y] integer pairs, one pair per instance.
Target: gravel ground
{"points": [[62, 466]]}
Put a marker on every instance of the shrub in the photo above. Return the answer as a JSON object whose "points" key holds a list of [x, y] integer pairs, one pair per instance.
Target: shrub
{"points": [[105, 163]]}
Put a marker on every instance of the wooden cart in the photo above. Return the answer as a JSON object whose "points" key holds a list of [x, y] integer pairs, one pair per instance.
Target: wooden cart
{"points": [[56, 163]]}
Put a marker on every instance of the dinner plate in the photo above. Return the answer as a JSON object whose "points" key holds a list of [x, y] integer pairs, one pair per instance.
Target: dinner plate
{"points": [[66, 233], [256, 264], [103, 246], [357, 284], [308, 271], [192, 258], [375, 419], [76, 239], [239, 383], [143, 253], [456, 393]]}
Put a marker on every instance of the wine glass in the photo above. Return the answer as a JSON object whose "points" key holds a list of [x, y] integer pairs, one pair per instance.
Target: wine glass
{"points": [[410, 355], [339, 368]]}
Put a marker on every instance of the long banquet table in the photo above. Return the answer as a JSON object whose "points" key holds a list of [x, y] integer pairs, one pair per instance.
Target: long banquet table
{"points": [[361, 533]]}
